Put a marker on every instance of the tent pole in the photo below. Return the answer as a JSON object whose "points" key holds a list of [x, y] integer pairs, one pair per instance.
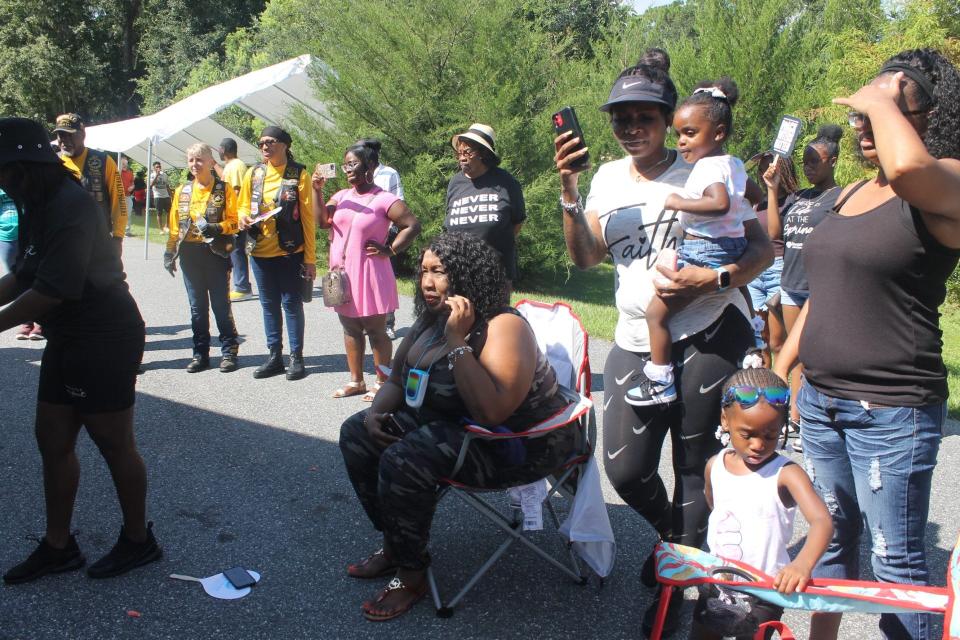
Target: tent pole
{"points": [[146, 212]]}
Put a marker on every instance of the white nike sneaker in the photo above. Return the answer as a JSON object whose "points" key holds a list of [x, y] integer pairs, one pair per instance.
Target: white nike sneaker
{"points": [[649, 393]]}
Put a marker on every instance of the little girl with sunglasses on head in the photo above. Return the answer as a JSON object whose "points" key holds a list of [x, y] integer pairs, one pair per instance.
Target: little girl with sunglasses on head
{"points": [[753, 493], [712, 218]]}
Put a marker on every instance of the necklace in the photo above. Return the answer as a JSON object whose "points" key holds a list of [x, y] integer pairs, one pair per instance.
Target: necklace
{"points": [[640, 177]]}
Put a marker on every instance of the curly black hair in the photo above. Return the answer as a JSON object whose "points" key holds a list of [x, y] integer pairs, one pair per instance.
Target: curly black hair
{"points": [[942, 137], [828, 137], [719, 110], [474, 271]]}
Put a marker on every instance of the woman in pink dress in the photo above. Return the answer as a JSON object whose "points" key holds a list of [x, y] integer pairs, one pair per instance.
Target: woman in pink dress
{"points": [[359, 220]]}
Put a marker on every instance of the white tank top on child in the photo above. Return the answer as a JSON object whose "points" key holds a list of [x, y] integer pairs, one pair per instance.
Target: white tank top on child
{"points": [[749, 522]]}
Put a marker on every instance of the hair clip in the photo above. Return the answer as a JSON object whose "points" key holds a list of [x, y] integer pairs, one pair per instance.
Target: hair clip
{"points": [[713, 91]]}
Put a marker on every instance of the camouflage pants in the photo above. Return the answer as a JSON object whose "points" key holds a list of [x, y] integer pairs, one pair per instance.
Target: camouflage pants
{"points": [[397, 486]]}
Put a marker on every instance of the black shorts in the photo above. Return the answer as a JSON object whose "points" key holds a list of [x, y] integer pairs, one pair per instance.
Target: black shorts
{"points": [[95, 376]]}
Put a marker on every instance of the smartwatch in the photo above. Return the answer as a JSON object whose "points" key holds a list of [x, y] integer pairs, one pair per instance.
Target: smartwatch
{"points": [[723, 278]]}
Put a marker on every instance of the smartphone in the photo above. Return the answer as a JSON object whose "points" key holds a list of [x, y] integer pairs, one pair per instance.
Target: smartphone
{"points": [[787, 134], [392, 427], [239, 577], [566, 120], [328, 171]]}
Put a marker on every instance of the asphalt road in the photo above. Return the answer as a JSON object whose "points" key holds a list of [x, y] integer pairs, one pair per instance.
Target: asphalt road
{"points": [[247, 472]]}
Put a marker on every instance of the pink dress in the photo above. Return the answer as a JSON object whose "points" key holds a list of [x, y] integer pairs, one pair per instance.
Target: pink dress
{"points": [[373, 287]]}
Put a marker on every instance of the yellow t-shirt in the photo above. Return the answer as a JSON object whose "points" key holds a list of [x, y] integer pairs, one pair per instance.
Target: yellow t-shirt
{"points": [[198, 209], [113, 185], [233, 173], [268, 246]]}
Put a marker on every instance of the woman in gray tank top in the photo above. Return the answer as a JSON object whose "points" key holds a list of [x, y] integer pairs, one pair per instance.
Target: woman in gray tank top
{"points": [[872, 404]]}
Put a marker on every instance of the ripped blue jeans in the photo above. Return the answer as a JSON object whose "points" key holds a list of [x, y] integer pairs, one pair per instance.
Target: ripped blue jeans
{"points": [[875, 464]]}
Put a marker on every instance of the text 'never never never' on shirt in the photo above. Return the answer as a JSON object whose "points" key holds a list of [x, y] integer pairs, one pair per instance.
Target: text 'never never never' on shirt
{"points": [[69, 256], [488, 206]]}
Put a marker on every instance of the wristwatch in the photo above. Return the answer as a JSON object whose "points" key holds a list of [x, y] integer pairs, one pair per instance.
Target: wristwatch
{"points": [[723, 278]]}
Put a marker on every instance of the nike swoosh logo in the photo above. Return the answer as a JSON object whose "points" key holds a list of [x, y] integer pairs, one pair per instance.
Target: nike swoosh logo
{"points": [[627, 85], [647, 479], [711, 387], [702, 530], [643, 427], [607, 403], [620, 381], [687, 504], [689, 358], [696, 435], [613, 455], [708, 336]]}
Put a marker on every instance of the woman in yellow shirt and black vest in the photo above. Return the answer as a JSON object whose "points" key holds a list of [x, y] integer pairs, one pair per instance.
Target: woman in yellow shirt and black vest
{"points": [[203, 221], [284, 245]]}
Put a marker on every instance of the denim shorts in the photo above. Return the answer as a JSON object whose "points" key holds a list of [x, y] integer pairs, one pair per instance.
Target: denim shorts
{"points": [[794, 298], [874, 463], [710, 252], [766, 285]]}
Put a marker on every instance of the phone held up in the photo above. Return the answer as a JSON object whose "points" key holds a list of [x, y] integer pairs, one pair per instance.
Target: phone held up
{"points": [[566, 120], [327, 171], [239, 577]]}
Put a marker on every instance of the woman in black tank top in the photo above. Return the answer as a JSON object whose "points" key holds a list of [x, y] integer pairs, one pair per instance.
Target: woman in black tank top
{"points": [[468, 355], [872, 404]]}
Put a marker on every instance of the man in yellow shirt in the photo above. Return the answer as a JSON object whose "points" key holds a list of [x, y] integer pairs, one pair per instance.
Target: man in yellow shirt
{"points": [[97, 171], [232, 173]]}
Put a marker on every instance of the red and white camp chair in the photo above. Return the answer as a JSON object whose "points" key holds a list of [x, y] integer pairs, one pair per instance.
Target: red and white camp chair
{"points": [[561, 336]]}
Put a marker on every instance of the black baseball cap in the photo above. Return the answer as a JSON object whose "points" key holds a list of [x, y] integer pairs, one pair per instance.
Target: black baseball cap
{"points": [[22, 139], [640, 89]]}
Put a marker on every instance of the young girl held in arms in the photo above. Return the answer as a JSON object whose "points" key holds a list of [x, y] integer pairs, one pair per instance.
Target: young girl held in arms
{"points": [[712, 218], [753, 493]]}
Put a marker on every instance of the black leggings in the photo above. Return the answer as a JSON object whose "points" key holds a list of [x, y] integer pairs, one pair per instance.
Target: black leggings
{"points": [[633, 436]]}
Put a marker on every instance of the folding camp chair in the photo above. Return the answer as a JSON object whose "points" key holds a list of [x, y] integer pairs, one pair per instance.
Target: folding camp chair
{"points": [[561, 336], [681, 566]]}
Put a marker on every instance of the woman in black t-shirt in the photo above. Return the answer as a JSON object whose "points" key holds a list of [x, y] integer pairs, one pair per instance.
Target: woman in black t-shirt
{"points": [[483, 199], [793, 223], [72, 281], [873, 399]]}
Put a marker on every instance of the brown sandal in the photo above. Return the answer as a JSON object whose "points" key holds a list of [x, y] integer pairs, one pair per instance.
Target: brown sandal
{"points": [[350, 389], [396, 584], [355, 570]]}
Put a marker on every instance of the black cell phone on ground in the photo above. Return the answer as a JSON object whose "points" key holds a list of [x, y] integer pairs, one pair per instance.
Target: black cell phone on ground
{"points": [[239, 577], [566, 120]]}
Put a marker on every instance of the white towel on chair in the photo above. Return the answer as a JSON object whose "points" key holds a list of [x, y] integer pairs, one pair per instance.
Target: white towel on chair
{"points": [[587, 526]]}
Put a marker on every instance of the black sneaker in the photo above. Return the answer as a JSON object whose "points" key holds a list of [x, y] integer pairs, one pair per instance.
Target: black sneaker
{"points": [[199, 363], [228, 363], [126, 555], [672, 621], [649, 393], [46, 559]]}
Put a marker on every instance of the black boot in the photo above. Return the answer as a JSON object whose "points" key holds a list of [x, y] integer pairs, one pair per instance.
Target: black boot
{"points": [[296, 371], [271, 367], [199, 363]]}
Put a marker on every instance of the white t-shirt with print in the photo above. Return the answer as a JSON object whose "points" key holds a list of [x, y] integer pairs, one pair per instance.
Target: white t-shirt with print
{"points": [[635, 228], [729, 171]]}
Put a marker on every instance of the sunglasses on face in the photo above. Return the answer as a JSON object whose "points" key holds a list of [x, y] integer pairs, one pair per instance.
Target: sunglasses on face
{"points": [[856, 119], [747, 396], [267, 142]]}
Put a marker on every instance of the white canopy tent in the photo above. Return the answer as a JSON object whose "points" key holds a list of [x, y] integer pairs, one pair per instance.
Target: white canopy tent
{"points": [[271, 94]]}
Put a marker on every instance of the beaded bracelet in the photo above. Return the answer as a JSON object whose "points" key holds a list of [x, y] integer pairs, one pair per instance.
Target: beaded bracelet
{"points": [[456, 354]]}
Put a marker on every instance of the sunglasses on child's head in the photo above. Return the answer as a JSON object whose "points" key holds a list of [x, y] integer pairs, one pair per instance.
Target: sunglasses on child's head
{"points": [[747, 396]]}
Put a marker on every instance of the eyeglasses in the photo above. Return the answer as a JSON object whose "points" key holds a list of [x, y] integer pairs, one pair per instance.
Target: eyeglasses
{"points": [[856, 119], [747, 396], [267, 142], [466, 152], [349, 166]]}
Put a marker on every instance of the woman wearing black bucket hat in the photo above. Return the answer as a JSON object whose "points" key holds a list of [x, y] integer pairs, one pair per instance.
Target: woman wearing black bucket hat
{"points": [[624, 217], [71, 279], [483, 199]]}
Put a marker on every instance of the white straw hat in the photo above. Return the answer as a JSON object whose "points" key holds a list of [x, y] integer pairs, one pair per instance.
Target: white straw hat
{"points": [[482, 134]]}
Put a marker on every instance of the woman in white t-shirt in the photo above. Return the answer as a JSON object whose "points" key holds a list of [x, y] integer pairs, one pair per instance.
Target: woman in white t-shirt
{"points": [[624, 217]]}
